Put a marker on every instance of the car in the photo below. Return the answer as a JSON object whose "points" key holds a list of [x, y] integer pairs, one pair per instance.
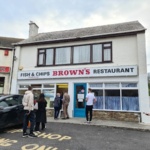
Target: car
{"points": [[11, 110]]}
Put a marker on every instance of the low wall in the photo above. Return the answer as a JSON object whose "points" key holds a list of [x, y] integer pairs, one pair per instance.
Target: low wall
{"points": [[118, 116], [109, 115]]}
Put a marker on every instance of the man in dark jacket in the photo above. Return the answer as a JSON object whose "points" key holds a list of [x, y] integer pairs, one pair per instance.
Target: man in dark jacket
{"points": [[57, 105]]}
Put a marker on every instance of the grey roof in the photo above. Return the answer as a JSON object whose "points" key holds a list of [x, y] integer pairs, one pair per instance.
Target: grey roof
{"points": [[6, 42], [89, 32]]}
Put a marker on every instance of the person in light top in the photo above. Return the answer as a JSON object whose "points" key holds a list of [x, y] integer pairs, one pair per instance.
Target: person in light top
{"points": [[90, 100]]}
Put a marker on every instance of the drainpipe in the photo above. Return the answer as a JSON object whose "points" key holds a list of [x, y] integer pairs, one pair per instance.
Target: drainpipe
{"points": [[12, 68]]}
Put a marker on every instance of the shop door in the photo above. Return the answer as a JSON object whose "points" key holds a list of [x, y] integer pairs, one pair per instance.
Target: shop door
{"points": [[79, 99]]}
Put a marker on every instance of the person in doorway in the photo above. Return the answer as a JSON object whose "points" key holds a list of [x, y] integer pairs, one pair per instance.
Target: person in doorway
{"points": [[29, 114], [90, 99], [57, 105], [41, 113], [66, 100]]}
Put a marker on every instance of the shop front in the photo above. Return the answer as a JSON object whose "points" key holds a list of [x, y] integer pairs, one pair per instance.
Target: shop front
{"points": [[4, 79], [115, 88]]}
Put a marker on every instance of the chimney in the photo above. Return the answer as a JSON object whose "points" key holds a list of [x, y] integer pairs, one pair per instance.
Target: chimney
{"points": [[33, 29]]}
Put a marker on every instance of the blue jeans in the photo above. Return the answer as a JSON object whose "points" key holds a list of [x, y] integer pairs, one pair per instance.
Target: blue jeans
{"points": [[28, 117]]}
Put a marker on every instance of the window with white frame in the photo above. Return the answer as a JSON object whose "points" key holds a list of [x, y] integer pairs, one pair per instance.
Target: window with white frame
{"points": [[116, 96], [47, 89]]}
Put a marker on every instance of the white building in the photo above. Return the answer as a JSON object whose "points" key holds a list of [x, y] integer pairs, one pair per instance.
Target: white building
{"points": [[6, 62], [110, 59]]}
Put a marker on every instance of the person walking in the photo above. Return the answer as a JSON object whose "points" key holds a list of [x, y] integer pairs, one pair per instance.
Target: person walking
{"points": [[90, 99], [66, 100], [57, 102], [41, 113], [29, 115]]}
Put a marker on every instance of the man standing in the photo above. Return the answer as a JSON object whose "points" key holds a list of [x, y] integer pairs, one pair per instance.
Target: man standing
{"points": [[66, 100], [29, 115], [90, 99]]}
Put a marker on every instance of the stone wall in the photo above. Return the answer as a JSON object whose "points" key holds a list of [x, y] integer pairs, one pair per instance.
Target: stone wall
{"points": [[109, 115], [118, 116]]}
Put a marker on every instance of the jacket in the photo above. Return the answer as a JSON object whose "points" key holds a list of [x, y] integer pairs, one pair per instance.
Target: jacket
{"points": [[66, 98], [41, 112], [57, 102], [28, 101]]}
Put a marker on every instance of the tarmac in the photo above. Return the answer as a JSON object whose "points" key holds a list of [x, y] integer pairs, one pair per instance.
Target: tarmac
{"points": [[105, 123]]}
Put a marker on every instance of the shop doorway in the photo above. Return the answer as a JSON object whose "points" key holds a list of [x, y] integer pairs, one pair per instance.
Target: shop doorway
{"points": [[79, 99], [2, 79], [61, 88]]}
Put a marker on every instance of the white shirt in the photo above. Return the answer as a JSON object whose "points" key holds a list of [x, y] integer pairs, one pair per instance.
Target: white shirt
{"points": [[90, 98]]}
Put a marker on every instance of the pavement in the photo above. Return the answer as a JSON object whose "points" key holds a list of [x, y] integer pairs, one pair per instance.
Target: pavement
{"points": [[105, 123]]}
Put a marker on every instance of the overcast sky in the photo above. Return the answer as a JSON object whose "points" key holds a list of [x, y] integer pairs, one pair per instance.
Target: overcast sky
{"points": [[55, 15]]}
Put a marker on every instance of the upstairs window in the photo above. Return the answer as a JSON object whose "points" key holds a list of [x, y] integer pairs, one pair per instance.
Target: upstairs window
{"points": [[81, 54], [63, 55], [71, 55]]}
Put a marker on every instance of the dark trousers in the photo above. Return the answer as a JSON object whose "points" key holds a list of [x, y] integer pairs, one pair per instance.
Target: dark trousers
{"points": [[28, 117], [37, 128], [89, 108], [56, 113]]}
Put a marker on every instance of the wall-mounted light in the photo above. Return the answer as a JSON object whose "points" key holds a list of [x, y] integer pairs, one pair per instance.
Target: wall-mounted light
{"points": [[20, 67]]}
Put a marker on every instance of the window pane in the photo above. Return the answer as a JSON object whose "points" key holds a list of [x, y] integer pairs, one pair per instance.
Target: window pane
{"points": [[93, 85], [112, 99], [36, 85], [99, 97], [97, 53], [129, 84], [41, 59], [48, 85], [81, 54], [130, 100], [111, 84], [107, 45], [49, 56], [49, 96], [23, 86], [42, 51], [107, 54], [63, 55]]}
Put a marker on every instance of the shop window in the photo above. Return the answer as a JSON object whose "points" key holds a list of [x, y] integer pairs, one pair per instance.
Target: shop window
{"points": [[99, 99], [49, 96], [130, 100], [112, 99]]}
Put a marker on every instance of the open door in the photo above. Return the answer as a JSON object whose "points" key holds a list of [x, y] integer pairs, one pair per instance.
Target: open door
{"points": [[79, 99]]}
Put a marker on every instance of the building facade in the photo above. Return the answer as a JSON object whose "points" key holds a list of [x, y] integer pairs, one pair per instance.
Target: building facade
{"points": [[6, 62], [110, 59]]}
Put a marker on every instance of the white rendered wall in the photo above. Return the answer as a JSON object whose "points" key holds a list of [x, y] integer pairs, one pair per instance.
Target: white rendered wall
{"points": [[7, 62], [124, 52], [143, 78]]}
